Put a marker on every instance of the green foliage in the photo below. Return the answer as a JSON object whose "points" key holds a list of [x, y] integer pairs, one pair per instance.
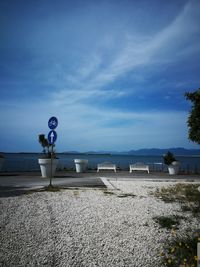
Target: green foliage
{"points": [[168, 221], [126, 195], [51, 188], [48, 149], [182, 251], [44, 142], [169, 158], [106, 192], [194, 116]]}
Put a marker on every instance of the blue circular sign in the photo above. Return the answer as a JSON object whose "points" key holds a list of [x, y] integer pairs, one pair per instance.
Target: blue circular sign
{"points": [[53, 123], [52, 136]]}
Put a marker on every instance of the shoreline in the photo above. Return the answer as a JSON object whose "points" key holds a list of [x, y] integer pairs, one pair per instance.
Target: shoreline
{"points": [[29, 162]]}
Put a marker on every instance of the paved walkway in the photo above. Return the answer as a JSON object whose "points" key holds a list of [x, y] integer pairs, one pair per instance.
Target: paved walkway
{"points": [[12, 184]]}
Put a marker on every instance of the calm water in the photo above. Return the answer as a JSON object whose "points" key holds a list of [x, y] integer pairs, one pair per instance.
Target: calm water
{"points": [[29, 161]]}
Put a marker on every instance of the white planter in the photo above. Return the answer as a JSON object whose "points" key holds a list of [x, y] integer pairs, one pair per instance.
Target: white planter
{"points": [[174, 168], [81, 165], [1, 163], [45, 167]]}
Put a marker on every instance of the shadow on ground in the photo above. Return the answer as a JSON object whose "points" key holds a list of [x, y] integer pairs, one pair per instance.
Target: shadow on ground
{"points": [[12, 191], [9, 174], [64, 176]]}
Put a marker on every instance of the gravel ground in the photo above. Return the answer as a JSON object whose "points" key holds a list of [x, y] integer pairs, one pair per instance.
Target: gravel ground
{"points": [[87, 227]]}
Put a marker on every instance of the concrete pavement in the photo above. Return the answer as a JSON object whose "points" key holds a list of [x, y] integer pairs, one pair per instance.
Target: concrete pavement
{"points": [[12, 184]]}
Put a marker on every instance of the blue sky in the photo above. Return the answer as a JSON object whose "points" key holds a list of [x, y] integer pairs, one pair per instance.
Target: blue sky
{"points": [[114, 73]]}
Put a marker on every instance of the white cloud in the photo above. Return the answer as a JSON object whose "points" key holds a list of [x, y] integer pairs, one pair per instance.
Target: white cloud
{"points": [[82, 95], [86, 127], [95, 71], [159, 48], [92, 129], [111, 56], [90, 66]]}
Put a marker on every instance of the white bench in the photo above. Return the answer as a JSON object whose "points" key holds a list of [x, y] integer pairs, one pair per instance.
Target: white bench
{"points": [[106, 166], [139, 166]]}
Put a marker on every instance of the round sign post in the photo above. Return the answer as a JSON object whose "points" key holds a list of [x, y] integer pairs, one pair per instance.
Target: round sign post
{"points": [[53, 123], [52, 136]]}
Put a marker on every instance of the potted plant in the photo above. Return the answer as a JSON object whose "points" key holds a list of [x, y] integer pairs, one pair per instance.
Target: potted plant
{"points": [[1, 161], [172, 163], [48, 162]]}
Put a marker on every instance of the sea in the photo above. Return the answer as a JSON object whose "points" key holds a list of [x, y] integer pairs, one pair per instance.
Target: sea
{"points": [[20, 162]]}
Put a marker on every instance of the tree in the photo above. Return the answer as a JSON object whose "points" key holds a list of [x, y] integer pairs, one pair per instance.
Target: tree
{"points": [[169, 158], [44, 142], [48, 149], [194, 116]]}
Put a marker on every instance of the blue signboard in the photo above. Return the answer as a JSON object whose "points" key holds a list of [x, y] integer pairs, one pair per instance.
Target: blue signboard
{"points": [[53, 123], [52, 136]]}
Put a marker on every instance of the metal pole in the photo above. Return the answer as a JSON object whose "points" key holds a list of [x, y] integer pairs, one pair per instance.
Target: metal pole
{"points": [[51, 164]]}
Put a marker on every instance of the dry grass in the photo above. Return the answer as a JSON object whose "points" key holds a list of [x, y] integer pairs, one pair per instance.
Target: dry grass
{"points": [[187, 195]]}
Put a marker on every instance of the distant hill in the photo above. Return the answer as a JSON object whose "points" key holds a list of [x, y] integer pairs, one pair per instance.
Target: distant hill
{"points": [[159, 151], [179, 151]]}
